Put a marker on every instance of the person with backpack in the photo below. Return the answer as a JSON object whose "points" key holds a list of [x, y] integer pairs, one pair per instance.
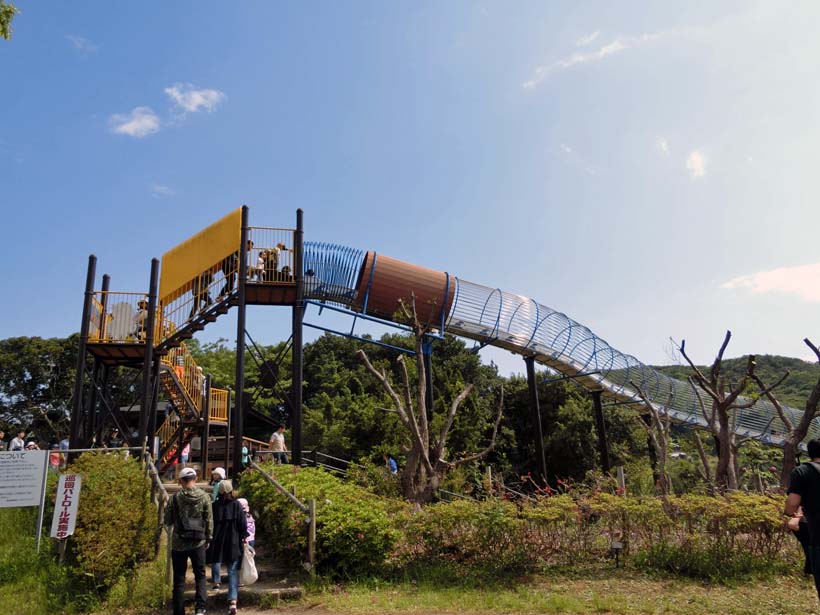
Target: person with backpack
{"points": [[189, 513], [804, 490]]}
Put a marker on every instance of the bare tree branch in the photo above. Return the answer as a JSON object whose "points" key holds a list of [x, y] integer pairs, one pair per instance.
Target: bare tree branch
{"points": [[411, 425], [777, 406], [705, 469], [448, 422], [715, 371], [491, 446], [700, 379], [709, 418]]}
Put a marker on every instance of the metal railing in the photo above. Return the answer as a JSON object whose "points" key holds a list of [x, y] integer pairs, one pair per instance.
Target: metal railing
{"points": [[188, 373], [118, 317], [271, 259], [218, 408], [309, 509]]}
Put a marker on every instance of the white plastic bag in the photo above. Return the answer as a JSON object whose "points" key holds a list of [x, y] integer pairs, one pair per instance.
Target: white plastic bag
{"points": [[247, 570]]}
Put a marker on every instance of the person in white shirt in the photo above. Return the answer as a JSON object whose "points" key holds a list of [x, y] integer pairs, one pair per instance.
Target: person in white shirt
{"points": [[18, 443], [277, 445]]}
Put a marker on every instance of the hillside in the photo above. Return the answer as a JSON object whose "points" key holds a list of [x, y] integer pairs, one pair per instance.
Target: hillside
{"points": [[793, 392]]}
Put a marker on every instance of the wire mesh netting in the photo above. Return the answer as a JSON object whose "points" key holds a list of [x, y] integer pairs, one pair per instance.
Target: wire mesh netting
{"points": [[523, 326]]}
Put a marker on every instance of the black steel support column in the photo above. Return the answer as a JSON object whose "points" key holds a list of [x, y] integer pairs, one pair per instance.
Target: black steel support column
{"points": [[98, 414], [228, 431], [148, 360], [79, 378], [239, 410], [152, 424], [535, 418], [429, 401], [91, 410], [298, 313], [600, 427], [206, 430]]}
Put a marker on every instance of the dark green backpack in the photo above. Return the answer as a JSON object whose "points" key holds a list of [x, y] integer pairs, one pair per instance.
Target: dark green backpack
{"points": [[189, 523]]}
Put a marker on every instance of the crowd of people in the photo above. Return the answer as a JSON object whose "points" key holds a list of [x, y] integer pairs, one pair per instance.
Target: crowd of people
{"points": [[57, 457], [210, 529]]}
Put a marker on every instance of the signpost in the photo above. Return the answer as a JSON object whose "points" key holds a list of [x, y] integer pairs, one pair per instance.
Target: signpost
{"points": [[23, 481], [65, 507], [22, 475]]}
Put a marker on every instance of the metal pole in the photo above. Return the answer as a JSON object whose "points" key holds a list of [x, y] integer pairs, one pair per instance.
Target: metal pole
{"points": [[206, 430], [297, 363], [147, 364], [429, 401], [152, 425], [42, 501], [535, 417], [312, 537], [239, 410], [600, 427], [95, 370], [76, 418], [98, 421], [228, 431]]}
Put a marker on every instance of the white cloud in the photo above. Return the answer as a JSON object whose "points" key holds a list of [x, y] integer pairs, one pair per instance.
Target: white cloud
{"points": [[618, 45], [83, 45], [662, 144], [141, 122], [566, 148], [159, 191], [803, 281], [696, 165], [191, 100], [587, 38]]}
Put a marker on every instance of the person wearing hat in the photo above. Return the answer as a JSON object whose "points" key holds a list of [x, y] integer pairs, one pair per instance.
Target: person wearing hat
{"points": [[140, 316], [32, 446], [230, 533], [114, 440], [189, 512]]}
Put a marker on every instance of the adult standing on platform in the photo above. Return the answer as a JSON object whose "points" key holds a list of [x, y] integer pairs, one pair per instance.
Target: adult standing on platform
{"points": [[2, 440], [277, 445], [189, 511], [804, 490], [230, 269]]}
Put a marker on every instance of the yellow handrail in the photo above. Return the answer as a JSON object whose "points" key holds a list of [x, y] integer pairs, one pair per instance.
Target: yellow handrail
{"points": [[218, 408], [187, 372]]}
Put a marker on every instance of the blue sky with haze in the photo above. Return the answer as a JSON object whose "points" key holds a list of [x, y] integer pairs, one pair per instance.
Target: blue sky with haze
{"points": [[648, 170]]}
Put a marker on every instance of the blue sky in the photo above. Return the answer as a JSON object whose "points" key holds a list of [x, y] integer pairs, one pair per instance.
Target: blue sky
{"points": [[648, 170]]}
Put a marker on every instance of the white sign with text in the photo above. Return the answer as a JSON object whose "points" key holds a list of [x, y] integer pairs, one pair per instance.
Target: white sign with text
{"points": [[65, 506], [21, 478]]}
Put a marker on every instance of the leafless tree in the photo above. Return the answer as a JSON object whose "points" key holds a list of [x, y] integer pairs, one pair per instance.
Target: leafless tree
{"points": [[721, 415], [795, 432], [427, 461], [658, 432]]}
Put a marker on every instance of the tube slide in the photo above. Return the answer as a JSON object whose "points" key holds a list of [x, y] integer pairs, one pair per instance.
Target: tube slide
{"points": [[372, 284]]}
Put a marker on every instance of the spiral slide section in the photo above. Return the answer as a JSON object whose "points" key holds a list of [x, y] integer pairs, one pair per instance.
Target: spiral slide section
{"points": [[373, 284]]}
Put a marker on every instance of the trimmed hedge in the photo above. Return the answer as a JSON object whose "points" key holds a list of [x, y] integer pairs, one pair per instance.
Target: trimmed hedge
{"points": [[354, 532]]}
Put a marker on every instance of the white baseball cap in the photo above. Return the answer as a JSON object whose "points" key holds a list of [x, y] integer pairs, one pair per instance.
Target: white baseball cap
{"points": [[187, 473]]}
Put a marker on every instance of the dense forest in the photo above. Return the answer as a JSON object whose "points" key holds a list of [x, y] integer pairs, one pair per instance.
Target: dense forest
{"points": [[348, 414]]}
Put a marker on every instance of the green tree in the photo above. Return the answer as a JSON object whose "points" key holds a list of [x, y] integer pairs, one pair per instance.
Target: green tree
{"points": [[7, 13], [36, 384]]}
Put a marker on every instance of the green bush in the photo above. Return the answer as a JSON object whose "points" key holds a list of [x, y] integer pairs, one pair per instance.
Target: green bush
{"points": [[115, 522], [375, 478], [466, 534], [354, 531]]}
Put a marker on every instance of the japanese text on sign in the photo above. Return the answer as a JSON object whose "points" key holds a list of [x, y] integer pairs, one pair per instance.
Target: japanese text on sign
{"points": [[65, 506]]}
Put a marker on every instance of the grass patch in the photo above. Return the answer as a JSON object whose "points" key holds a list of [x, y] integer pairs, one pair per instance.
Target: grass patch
{"points": [[599, 589]]}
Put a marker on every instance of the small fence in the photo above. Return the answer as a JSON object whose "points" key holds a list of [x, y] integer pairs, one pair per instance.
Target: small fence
{"points": [[271, 259], [118, 318]]}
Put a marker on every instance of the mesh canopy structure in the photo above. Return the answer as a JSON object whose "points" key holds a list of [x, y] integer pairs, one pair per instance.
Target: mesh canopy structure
{"points": [[523, 326]]}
